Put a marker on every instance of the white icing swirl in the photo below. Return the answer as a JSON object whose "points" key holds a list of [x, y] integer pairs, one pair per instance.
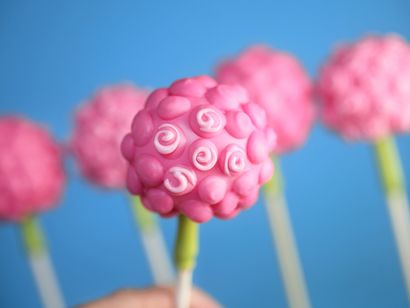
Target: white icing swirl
{"points": [[209, 120], [204, 157], [185, 179], [234, 160], [167, 139]]}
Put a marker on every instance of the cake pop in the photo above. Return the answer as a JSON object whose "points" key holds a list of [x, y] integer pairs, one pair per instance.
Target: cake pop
{"points": [[198, 149], [100, 124], [277, 82], [31, 181], [364, 90]]}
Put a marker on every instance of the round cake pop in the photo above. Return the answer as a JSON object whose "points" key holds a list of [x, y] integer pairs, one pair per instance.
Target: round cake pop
{"points": [[365, 88], [277, 82], [100, 125], [198, 148], [31, 169]]}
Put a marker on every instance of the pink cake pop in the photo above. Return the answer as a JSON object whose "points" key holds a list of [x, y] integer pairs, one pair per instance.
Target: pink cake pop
{"points": [[277, 82], [365, 88], [31, 169], [100, 125], [198, 148]]}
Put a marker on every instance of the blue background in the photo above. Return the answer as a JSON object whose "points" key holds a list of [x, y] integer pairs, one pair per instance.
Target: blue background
{"points": [[53, 54]]}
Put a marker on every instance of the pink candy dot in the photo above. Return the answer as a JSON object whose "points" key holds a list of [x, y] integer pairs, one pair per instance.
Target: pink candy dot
{"points": [[196, 210], [212, 189], [142, 127], [173, 106], [238, 124], [128, 147], [266, 172], [155, 98], [133, 182], [159, 201], [256, 148], [224, 97], [187, 87], [227, 206], [246, 183], [150, 170]]}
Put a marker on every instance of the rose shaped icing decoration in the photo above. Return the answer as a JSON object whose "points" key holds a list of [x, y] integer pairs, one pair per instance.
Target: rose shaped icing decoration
{"points": [[364, 88], [194, 160], [100, 125], [233, 160], [31, 168], [276, 82], [168, 139], [204, 155]]}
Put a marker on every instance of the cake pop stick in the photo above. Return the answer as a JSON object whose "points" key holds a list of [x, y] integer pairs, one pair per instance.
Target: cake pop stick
{"points": [[277, 83], [186, 251], [32, 179], [198, 149], [40, 263], [397, 203], [101, 124], [154, 244], [365, 95]]}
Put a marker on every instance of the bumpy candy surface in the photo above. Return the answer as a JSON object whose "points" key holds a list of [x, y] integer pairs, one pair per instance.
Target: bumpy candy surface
{"points": [[100, 125], [198, 148], [365, 88], [277, 82], [31, 169]]}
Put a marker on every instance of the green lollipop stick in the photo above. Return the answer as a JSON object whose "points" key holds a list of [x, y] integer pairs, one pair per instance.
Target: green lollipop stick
{"points": [[40, 263], [397, 203], [284, 241], [154, 244], [186, 252]]}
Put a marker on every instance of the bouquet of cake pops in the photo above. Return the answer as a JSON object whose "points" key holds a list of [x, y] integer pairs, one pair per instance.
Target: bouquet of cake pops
{"points": [[203, 148]]}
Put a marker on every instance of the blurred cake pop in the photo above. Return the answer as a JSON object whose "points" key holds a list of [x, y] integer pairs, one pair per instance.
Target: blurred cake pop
{"points": [[365, 88], [31, 169], [100, 125], [198, 148], [277, 82]]}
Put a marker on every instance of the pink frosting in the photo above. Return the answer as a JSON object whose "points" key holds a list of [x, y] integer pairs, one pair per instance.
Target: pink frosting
{"points": [[198, 148], [365, 88], [100, 125], [277, 82], [31, 169]]}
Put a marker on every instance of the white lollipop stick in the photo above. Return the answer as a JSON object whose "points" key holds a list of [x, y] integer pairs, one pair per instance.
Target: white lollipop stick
{"points": [[282, 234], [40, 264], [154, 244]]}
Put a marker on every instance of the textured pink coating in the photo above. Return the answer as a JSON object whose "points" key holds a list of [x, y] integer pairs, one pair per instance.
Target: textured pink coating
{"points": [[365, 88], [198, 148], [100, 125], [277, 82], [31, 169]]}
